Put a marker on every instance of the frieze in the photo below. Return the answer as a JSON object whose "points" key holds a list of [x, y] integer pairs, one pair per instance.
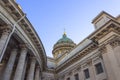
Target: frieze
{"points": [[50, 70], [77, 69], [96, 59]]}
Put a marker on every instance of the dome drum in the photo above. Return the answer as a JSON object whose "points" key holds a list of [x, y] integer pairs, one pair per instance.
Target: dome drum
{"points": [[63, 46]]}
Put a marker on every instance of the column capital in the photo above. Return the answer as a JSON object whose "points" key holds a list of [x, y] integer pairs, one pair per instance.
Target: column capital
{"points": [[115, 42], [6, 29], [103, 49], [89, 62], [23, 46], [33, 58]]}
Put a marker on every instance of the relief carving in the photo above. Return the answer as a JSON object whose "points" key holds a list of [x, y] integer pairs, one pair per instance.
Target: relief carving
{"points": [[103, 50], [89, 62], [115, 42]]}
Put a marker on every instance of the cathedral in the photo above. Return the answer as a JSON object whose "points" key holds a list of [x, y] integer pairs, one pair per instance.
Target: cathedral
{"points": [[23, 57]]}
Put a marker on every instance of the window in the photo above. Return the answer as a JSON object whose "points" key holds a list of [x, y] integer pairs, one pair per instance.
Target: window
{"points": [[99, 68], [68, 78], [86, 72], [76, 77]]}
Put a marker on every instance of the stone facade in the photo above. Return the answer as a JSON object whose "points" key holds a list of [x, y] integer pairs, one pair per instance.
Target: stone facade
{"points": [[22, 55]]}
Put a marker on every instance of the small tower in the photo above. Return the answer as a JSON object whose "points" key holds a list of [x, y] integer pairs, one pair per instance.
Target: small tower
{"points": [[102, 19], [63, 46]]}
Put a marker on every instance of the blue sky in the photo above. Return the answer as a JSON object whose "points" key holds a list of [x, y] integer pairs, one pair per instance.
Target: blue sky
{"points": [[50, 17]]}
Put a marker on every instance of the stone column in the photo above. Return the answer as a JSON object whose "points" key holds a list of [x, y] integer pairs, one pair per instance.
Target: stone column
{"points": [[24, 70], [111, 63], [21, 63], [37, 73], [31, 70], [4, 37], [10, 64]]}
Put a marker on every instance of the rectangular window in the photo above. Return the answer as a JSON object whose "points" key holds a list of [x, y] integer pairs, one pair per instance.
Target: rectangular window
{"points": [[99, 68], [86, 72], [68, 78], [76, 77]]}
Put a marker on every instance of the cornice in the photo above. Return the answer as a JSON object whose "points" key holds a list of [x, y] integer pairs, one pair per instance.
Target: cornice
{"points": [[111, 25], [114, 42], [101, 13]]}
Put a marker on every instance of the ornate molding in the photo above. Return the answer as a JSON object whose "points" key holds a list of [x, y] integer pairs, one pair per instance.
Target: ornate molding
{"points": [[115, 42], [111, 25], [50, 70], [78, 69], [6, 29], [89, 62], [23, 46], [103, 50]]}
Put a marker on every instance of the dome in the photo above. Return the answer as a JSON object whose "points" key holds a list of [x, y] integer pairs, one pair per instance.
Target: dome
{"points": [[63, 46], [64, 39]]}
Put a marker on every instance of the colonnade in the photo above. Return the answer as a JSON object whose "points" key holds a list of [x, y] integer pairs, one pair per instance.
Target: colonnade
{"points": [[19, 65]]}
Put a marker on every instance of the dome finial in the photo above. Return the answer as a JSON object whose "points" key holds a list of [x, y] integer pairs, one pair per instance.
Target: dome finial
{"points": [[64, 31]]}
